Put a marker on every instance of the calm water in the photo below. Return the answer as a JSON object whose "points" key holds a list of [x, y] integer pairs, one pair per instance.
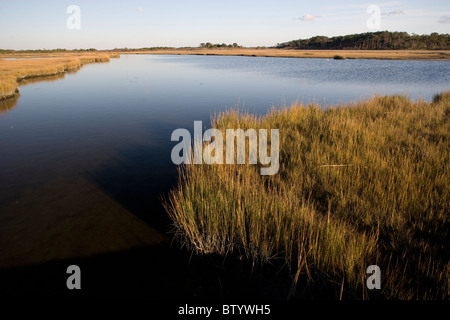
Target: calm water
{"points": [[84, 159]]}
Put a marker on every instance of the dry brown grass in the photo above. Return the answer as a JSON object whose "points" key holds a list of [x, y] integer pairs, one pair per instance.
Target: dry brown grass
{"points": [[12, 72], [292, 53]]}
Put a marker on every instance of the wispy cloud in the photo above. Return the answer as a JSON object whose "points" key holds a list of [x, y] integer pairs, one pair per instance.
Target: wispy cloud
{"points": [[307, 18], [393, 13], [140, 9], [444, 19]]}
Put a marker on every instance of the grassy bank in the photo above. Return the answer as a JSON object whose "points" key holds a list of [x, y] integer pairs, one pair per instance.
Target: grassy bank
{"points": [[293, 53], [12, 72], [359, 184]]}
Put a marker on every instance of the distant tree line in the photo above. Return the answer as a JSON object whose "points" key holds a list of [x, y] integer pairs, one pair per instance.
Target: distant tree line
{"points": [[3, 51], [382, 40], [142, 49], [217, 45]]}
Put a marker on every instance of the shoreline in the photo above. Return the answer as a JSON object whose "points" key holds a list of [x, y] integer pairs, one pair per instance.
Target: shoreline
{"points": [[13, 72], [438, 55]]}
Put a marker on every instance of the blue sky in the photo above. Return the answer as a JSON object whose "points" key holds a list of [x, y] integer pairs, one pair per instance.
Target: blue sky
{"points": [[140, 23]]}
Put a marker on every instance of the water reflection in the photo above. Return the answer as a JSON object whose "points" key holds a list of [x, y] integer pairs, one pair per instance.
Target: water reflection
{"points": [[8, 104], [49, 78]]}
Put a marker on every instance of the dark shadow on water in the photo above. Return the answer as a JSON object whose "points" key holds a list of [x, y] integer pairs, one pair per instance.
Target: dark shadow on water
{"points": [[158, 272], [145, 272], [137, 178]]}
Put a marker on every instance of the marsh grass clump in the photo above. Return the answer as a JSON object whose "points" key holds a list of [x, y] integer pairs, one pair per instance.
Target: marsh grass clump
{"points": [[358, 184], [8, 86], [338, 57]]}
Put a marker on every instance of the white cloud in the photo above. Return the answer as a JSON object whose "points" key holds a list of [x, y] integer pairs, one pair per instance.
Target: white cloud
{"points": [[307, 18], [393, 12], [444, 19]]}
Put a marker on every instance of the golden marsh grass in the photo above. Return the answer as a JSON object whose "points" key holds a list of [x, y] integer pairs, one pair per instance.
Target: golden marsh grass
{"points": [[294, 53], [359, 184]]}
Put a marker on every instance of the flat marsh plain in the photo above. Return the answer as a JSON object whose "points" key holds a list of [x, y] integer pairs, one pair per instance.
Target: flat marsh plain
{"points": [[293, 53]]}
